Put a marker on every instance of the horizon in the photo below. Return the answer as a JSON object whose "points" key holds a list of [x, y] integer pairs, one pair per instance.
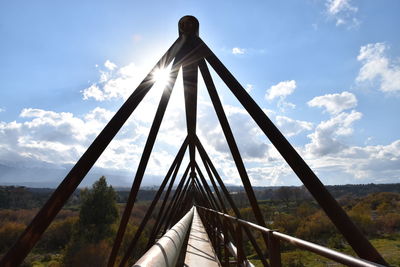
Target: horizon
{"points": [[327, 73]]}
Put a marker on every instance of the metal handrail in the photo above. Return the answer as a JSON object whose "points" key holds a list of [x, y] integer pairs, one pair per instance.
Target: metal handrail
{"points": [[317, 249]]}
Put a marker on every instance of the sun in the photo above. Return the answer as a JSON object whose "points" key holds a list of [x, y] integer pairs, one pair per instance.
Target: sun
{"points": [[161, 77]]}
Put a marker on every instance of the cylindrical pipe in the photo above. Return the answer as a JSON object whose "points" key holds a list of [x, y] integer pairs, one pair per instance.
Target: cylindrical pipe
{"points": [[165, 251]]}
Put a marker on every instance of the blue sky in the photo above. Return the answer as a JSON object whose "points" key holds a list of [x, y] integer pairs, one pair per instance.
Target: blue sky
{"points": [[327, 72]]}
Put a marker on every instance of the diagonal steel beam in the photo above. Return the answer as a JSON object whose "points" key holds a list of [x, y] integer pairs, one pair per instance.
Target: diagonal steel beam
{"points": [[159, 221], [145, 159], [219, 110], [208, 164], [45, 216], [336, 214], [172, 171]]}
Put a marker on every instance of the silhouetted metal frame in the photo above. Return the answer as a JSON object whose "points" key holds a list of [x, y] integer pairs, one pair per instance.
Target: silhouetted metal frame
{"points": [[47, 213], [207, 189], [162, 106], [216, 190], [208, 164], [172, 205], [219, 110], [158, 221], [337, 215], [173, 210], [172, 172]]}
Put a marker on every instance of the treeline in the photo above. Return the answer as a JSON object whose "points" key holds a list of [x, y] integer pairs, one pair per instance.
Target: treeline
{"points": [[80, 236], [20, 197]]}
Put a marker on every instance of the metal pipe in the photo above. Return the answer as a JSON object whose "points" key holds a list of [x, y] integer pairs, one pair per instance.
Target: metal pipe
{"points": [[166, 250], [320, 250]]}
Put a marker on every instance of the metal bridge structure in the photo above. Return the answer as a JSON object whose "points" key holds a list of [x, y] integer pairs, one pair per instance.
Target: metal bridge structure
{"points": [[193, 227]]}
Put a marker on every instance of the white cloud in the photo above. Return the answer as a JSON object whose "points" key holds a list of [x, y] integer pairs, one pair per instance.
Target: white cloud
{"points": [[378, 67], [291, 127], [238, 51], [2, 109], [327, 137], [281, 90], [94, 92], [58, 138], [109, 65], [249, 88], [117, 84], [337, 6], [334, 103], [343, 12]]}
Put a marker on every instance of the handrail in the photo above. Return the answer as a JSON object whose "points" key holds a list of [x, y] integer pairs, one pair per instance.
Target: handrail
{"points": [[317, 249]]}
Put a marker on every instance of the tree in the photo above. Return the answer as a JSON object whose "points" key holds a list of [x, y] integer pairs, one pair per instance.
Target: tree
{"points": [[98, 214]]}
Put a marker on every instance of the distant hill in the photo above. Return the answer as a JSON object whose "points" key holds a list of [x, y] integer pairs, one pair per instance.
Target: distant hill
{"points": [[51, 177]]}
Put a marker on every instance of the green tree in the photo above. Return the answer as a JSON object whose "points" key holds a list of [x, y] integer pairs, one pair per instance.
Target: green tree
{"points": [[98, 213]]}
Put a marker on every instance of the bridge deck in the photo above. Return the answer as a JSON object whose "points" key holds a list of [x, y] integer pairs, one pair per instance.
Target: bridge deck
{"points": [[199, 251]]}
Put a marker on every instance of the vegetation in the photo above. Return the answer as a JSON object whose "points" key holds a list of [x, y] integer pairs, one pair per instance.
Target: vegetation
{"points": [[82, 233]]}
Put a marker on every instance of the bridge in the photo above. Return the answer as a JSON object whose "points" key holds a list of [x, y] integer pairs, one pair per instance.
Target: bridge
{"points": [[193, 227]]}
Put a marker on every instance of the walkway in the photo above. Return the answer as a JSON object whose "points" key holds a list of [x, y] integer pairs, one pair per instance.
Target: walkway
{"points": [[199, 250]]}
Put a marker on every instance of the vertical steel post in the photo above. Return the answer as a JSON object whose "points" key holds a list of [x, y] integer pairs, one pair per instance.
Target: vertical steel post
{"points": [[239, 246], [274, 250], [226, 243]]}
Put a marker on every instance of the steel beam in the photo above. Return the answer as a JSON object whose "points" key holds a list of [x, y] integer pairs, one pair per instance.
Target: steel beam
{"points": [[144, 159], [219, 110], [48, 212], [172, 171], [336, 214]]}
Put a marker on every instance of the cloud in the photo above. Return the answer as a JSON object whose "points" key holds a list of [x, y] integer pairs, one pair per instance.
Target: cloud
{"points": [[376, 66], [59, 138], [238, 51], [342, 11], [291, 127], [109, 65], [281, 90], [249, 88], [115, 84], [327, 137], [2, 109], [334, 103]]}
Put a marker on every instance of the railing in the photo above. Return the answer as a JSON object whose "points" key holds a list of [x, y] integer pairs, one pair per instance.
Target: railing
{"points": [[274, 239]]}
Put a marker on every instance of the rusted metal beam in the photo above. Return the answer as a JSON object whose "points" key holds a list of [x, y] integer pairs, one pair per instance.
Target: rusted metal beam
{"points": [[145, 159], [172, 171], [45, 216], [336, 214], [159, 221], [219, 110], [208, 164]]}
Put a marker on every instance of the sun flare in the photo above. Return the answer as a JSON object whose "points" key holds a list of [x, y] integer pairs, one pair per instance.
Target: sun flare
{"points": [[162, 77]]}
